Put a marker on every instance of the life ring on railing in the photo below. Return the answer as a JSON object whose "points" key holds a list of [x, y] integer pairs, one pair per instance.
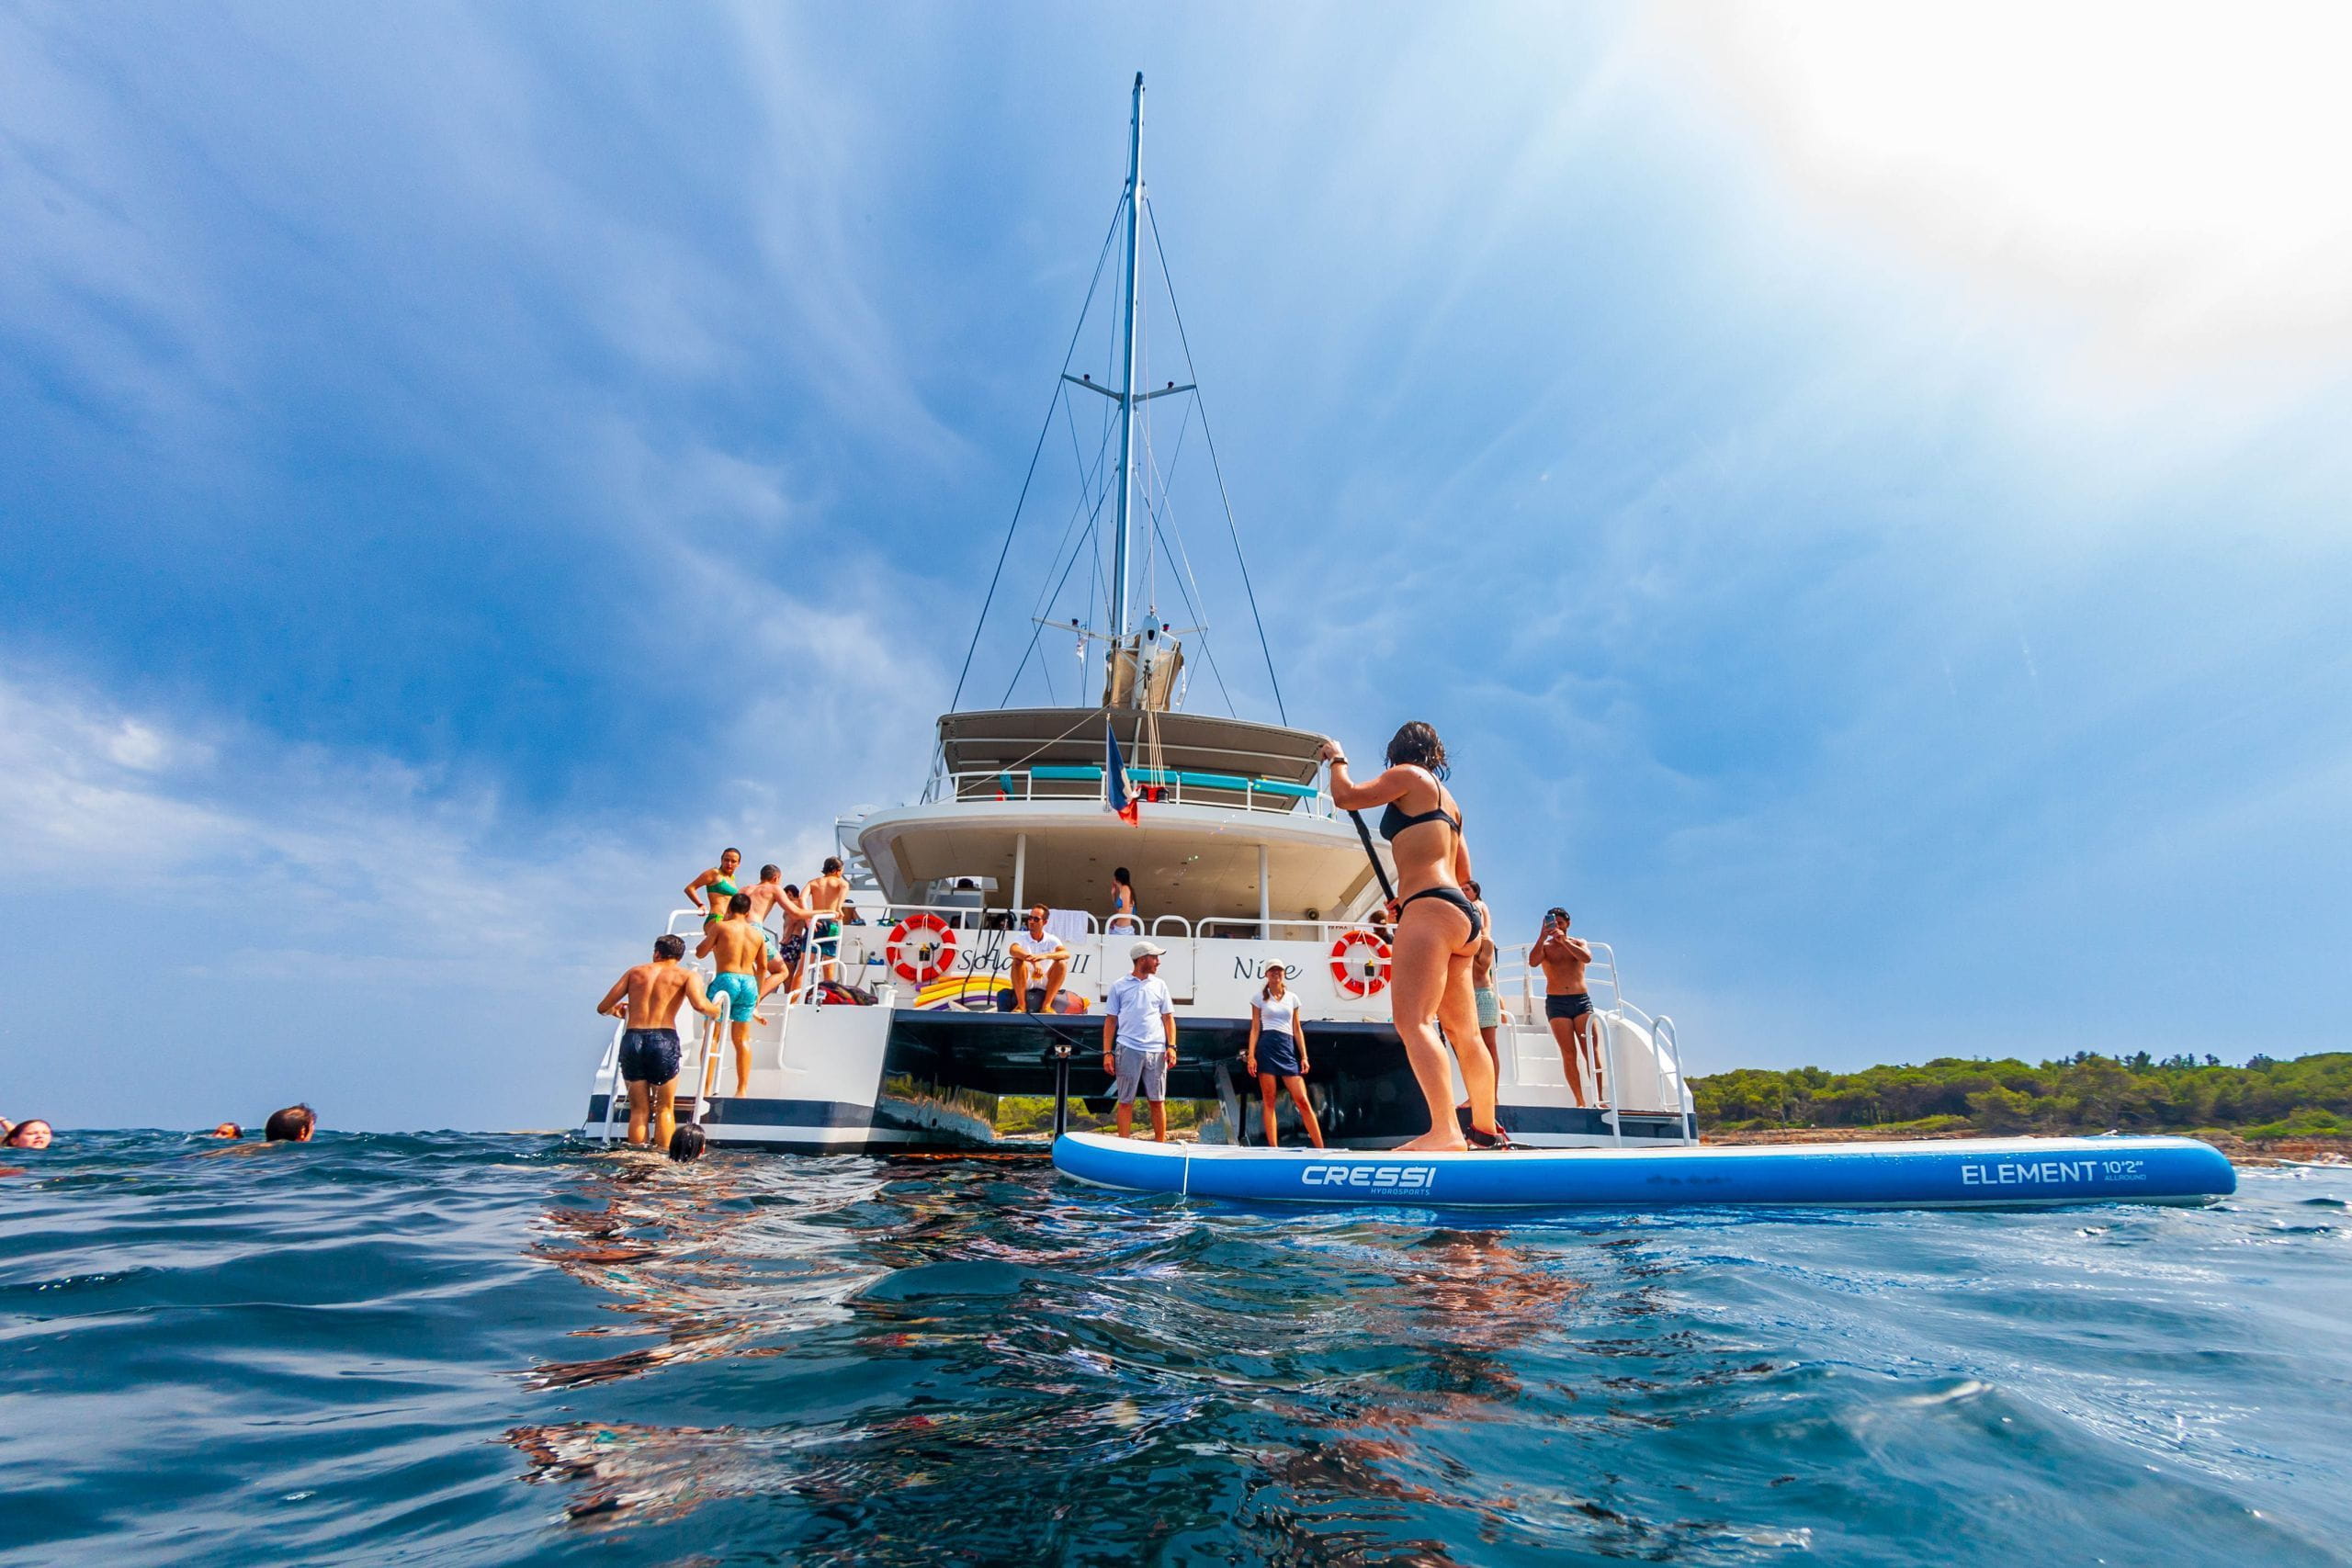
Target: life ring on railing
{"points": [[921, 948], [1365, 977]]}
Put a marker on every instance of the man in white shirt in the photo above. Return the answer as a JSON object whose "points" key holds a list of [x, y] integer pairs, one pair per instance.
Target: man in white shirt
{"points": [[1139, 1039], [1039, 952]]}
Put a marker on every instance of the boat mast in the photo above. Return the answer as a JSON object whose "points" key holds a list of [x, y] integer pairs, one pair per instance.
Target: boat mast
{"points": [[1119, 616]]}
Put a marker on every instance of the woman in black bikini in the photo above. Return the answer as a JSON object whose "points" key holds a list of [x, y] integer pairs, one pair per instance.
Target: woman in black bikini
{"points": [[1438, 929]]}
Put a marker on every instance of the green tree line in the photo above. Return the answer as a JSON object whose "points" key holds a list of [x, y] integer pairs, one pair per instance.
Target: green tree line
{"points": [[2082, 1093]]}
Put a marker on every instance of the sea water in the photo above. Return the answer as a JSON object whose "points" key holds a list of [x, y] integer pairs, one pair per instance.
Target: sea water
{"points": [[486, 1349]]}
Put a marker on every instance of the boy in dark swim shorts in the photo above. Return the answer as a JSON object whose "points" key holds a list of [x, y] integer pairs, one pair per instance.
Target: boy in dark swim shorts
{"points": [[1567, 1007], [650, 1056], [647, 995]]}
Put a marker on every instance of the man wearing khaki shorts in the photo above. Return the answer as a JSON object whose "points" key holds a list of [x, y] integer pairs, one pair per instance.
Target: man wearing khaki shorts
{"points": [[1139, 1040]]}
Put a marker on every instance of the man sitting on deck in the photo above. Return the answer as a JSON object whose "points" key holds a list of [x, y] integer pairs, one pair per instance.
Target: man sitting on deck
{"points": [[1035, 952], [1139, 1039], [739, 950], [648, 997], [1567, 1005]]}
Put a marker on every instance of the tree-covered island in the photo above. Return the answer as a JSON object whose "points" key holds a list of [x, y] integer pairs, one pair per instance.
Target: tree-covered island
{"points": [[2084, 1093]]}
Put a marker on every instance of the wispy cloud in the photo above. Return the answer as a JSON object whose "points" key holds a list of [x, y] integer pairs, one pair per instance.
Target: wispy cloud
{"points": [[482, 461], [365, 934]]}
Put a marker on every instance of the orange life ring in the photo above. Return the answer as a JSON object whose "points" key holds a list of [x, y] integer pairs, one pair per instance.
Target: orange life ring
{"points": [[1365, 977], [921, 948]]}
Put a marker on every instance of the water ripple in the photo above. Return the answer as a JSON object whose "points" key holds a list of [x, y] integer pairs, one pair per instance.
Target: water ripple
{"points": [[491, 1349]]}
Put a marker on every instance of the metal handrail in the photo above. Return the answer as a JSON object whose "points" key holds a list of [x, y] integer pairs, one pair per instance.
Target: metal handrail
{"points": [[610, 1071], [888, 915], [945, 785], [713, 1036], [1662, 1028]]}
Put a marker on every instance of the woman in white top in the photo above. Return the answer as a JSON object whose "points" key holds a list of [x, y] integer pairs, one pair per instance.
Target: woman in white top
{"points": [[1123, 904], [1277, 1053]]}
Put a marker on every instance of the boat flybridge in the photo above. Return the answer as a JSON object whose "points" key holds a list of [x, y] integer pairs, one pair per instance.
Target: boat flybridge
{"points": [[906, 1036]]}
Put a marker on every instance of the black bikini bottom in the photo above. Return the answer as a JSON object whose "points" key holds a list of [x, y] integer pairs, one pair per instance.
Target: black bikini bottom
{"points": [[1450, 895]]}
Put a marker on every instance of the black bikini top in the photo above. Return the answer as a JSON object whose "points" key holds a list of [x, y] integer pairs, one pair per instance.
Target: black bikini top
{"points": [[1394, 822]]}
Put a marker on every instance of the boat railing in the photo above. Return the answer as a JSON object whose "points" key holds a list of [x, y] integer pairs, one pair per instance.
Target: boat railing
{"points": [[1230, 928], [1169, 787], [1662, 1029], [708, 1042], [1598, 1048], [609, 1072]]}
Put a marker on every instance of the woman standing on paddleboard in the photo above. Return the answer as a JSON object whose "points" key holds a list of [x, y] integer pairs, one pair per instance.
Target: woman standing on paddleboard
{"points": [[1438, 929]]}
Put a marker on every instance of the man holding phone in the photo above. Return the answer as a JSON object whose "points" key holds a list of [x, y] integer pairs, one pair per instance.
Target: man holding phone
{"points": [[1567, 1007]]}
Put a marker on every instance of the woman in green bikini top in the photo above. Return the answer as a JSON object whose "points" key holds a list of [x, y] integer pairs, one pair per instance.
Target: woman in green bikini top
{"points": [[721, 881]]}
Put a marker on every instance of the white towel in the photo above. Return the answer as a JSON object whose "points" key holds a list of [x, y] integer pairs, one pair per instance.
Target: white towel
{"points": [[1069, 925]]}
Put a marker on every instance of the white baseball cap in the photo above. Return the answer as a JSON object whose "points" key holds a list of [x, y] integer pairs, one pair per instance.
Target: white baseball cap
{"points": [[1145, 950]]}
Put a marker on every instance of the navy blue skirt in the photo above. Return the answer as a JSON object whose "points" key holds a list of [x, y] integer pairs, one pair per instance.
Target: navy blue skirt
{"points": [[1277, 1053]]}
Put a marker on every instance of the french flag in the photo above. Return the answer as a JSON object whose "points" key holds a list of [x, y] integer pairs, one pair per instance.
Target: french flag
{"points": [[1117, 797]]}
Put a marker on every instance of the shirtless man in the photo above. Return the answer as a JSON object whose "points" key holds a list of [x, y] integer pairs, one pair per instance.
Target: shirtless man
{"points": [[1039, 952], [1482, 978], [826, 895], [1567, 1005], [766, 892], [770, 893], [739, 950], [647, 995], [791, 947]]}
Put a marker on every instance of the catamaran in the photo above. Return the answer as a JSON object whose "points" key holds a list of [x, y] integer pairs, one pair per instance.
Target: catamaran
{"points": [[898, 1038]]}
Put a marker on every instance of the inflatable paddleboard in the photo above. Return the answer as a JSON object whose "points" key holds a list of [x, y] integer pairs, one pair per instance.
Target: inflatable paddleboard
{"points": [[1918, 1174]]}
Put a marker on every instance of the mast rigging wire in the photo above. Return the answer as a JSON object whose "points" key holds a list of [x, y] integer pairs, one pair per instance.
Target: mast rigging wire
{"points": [[1037, 626], [1038, 451], [1183, 558], [1151, 211]]}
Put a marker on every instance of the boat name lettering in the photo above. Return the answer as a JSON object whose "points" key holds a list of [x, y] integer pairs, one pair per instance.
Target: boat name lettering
{"points": [[2048, 1172], [1403, 1178], [995, 960]]}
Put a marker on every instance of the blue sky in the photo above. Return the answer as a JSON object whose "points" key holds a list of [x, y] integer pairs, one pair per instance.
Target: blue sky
{"points": [[1863, 491]]}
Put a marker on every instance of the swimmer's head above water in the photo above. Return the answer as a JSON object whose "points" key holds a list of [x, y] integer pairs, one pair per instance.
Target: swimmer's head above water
{"points": [[294, 1124]]}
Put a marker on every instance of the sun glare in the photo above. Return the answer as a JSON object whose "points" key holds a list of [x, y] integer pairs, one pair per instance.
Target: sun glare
{"points": [[2175, 172]]}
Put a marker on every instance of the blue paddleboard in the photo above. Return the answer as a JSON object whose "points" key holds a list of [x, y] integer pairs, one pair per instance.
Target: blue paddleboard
{"points": [[1922, 1173]]}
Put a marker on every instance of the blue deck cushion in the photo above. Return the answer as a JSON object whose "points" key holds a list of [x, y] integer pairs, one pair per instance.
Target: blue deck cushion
{"points": [[1275, 787], [1058, 771]]}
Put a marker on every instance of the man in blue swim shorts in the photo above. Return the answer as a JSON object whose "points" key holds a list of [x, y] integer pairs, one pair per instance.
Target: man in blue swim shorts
{"points": [[739, 951], [648, 997]]}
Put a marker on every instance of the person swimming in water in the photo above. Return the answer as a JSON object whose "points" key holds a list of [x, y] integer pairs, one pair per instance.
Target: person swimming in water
{"points": [[32, 1133], [290, 1124], [1438, 929], [720, 881]]}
